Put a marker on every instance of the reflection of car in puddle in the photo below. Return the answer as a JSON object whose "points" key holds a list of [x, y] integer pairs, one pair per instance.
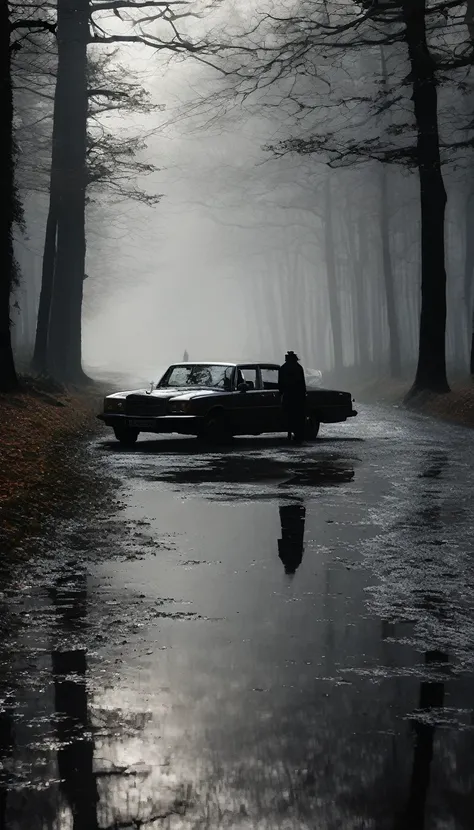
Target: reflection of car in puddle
{"points": [[322, 475], [291, 544], [250, 469]]}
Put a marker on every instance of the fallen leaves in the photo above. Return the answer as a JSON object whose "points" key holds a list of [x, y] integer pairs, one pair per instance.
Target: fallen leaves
{"points": [[456, 406], [37, 432]]}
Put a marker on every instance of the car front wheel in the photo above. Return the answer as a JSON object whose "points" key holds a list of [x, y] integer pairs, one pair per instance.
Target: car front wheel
{"points": [[311, 428], [216, 429], [127, 437]]}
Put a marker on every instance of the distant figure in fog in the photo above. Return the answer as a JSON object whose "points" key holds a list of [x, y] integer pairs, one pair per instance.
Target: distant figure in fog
{"points": [[292, 388], [291, 544], [185, 356]]}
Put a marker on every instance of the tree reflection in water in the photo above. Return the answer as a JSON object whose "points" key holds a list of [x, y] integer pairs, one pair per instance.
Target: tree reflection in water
{"points": [[431, 697], [76, 754], [6, 747]]}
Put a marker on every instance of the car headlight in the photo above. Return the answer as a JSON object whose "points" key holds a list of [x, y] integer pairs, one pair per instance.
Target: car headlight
{"points": [[179, 407], [114, 405]]}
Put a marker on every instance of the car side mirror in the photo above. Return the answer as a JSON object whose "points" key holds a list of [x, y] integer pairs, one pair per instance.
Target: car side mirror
{"points": [[243, 387]]}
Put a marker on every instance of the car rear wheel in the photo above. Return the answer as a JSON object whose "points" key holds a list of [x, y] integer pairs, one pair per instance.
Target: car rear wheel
{"points": [[216, 429], [311, 428], [127, 437]]}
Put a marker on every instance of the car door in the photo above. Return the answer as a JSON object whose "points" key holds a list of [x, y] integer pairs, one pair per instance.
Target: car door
{"points": [[272, 414], [247, 406]]}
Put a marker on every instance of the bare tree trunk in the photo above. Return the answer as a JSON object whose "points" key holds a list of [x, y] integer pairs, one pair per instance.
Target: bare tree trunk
{"points": [[26, 298], [28, 314], [469, 272], [375, 323], [355, 328], [361, 298], [16, 325], [352, 286], [64, 341], [296, 304], [334, 305], [314, 336], [395, 361], [276, 299], [8, 378], [39, 362], [431, 369], [457, 323], [394, 335], [471, 361]]}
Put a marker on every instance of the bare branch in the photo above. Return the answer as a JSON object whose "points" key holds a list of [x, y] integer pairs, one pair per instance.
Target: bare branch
{"points": [[42, 25], [130, 4]]}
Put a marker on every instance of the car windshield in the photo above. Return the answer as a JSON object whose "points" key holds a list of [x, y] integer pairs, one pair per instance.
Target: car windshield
{"points": [[216, 377]]}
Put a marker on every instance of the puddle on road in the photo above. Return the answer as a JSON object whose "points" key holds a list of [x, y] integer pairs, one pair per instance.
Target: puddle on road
{"points": [[252, 642]]}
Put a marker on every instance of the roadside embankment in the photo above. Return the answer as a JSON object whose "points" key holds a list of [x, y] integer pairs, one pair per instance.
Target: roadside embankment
{"points": [[40, 430], [456, 406]]}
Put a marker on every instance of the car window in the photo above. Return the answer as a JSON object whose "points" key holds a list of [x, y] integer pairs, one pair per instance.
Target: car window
{"points": [[247, 375], [216, 377], [270, 378], [313, 378]]}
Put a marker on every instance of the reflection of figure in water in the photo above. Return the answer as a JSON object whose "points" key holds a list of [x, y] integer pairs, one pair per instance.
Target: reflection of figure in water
{"points": [[291, 544], [292, 388]]}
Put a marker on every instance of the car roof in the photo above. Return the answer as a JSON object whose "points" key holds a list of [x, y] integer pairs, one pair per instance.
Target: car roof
{"points": [[246, 363], [202, 363]]}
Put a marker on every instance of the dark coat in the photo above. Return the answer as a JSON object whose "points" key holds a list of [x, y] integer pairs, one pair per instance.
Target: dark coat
{"points": [[291, 382]]}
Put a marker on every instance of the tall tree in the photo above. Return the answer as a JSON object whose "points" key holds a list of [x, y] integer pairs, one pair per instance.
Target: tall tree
{"points": [[331, 272], [318, 42], [59, 342], [387, 267], [11, 208], [388, 275], [68, 191], [431, 369], [112, 166], [8, 379]]}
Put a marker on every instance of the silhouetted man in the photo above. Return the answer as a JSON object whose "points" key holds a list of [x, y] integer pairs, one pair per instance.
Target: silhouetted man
{"points": [[292, 388], [185, 356]]}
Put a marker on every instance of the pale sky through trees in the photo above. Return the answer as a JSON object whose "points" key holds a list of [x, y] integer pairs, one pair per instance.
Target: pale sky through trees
{"points": [[185, 275]]}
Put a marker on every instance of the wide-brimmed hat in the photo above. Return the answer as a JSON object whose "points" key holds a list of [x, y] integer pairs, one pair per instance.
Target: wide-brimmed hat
{"points": [[291, 355]]}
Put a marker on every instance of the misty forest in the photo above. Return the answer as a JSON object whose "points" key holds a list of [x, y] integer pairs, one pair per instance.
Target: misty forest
{"points": [[307, 165], [236, 411]]}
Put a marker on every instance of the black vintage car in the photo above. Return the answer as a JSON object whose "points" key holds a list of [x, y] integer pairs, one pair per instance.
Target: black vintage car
{"points": [[216, 401]]}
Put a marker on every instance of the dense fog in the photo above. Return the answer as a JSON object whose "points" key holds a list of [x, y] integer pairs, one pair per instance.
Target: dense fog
{"points": [[289, 199], [241, 597]]}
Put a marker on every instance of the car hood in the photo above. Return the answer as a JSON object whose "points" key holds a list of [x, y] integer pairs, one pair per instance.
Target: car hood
{"points": [[175, 392]]}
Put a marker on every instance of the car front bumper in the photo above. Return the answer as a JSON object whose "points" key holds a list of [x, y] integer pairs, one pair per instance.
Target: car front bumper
{"points": [[183, 424]]}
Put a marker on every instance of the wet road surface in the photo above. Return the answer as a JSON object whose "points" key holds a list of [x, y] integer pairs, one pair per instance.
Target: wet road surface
{"points": [[263, 637]]}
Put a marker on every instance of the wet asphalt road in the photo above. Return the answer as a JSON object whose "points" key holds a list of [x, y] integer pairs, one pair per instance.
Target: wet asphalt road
{"points": [[263, 637]]}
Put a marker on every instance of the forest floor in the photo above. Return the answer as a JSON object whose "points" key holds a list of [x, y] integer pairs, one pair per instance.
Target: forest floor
{"points": [[456, 406], [40, 431]]}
